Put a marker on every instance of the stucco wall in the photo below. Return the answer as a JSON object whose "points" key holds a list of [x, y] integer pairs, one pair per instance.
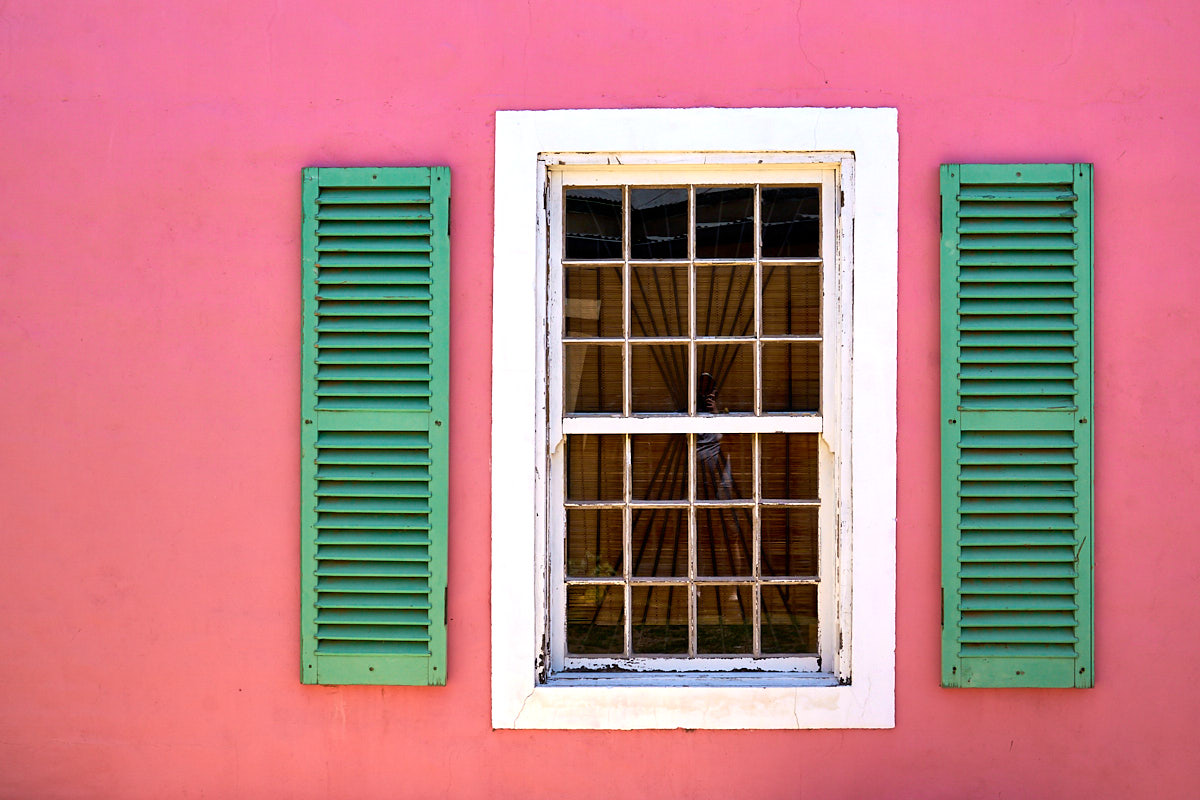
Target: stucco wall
{"points": [[149, 333]]}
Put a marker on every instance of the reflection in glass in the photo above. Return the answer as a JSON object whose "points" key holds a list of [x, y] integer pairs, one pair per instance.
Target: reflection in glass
{"points": [[725, 301], [592, 378], [659, 300], [724, 466], [791, 300], [660, 467], [595, 467], [791, 218], [594, 542], [593, 301], [723, 619], [794, 369], [658, 221], [724, 222], [726, 382], [595, 620], [592, 223], [789, 542], [658, 378], [789, 466], [659, 540], [660, 620], [789, 619]]}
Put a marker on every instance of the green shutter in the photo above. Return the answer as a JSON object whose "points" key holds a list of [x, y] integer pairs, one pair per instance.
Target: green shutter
{"points": [[1017, 425], [375, 386]]}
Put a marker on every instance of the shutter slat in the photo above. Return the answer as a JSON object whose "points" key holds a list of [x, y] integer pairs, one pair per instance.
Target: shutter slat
{"points": [[374, 442], [1016, 430]]}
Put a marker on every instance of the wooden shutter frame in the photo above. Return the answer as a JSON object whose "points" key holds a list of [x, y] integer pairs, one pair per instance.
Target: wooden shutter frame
{"points": [[381, 668], [1017, 670]]}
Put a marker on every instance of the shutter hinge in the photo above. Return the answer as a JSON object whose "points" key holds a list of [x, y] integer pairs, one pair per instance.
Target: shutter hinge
{"points": [[940, 231], [842, 197], [446, 605], [943, 606]]}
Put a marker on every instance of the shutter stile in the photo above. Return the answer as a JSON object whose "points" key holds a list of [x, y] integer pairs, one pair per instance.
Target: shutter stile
{"points": [[1016, 403], [374, 434]]}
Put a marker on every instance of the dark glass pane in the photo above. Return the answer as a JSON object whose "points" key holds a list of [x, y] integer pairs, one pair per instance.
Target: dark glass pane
{"points": [[593, 301], [791, 222], [592, 223], [594, 542], [725, 222], [660, 542], [724, 301], [791, 300], [789, 466], [660, 620], [789, 542], [595, 620], [660, 467], [723, 620], [592, 379], [724, 466], [724, 541], [658, 221], [791, 376], [595, 467], [726, 382], [659, 301], [659, 378], [789, 619]]}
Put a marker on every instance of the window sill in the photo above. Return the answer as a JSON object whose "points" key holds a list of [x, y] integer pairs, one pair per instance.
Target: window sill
{"points": [[760, 702]]}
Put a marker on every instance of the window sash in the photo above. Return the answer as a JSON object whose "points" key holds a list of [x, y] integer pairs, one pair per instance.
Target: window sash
{"points": [[828, 423]]}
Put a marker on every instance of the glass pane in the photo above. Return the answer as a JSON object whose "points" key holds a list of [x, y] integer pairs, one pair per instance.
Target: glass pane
{"points": [[723, 619], [724, 301], [791, 222], [791, 300], [592, 221], [660, 467], [660, 620], [791, 376], [659, 378], [660, 542], [593, 301], [594, 542], [724, 466], [658, 221], [592, 379], [726, 378], [789, 466], [789, 542], [724, 541], [789, 619], [724, 222], [595, 467], [595, 620], [659, 301]]}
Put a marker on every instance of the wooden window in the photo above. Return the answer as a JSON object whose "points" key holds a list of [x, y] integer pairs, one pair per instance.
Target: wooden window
{"points": [[696, 372]]}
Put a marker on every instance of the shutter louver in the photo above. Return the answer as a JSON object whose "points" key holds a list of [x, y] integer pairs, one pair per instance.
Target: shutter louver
{"points": [[1016, 425], [374, 427]]}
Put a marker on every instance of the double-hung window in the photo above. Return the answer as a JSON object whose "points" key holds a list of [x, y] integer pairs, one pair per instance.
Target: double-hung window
{"points": [[694, 418], [695, 356]]}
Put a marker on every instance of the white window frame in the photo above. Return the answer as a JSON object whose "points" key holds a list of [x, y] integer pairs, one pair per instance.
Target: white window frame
{"points": [[859, 691]]}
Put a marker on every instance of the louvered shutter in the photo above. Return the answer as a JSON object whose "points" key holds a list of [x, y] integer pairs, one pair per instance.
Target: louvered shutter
{"points": [[374, 425], [1017, 425]]}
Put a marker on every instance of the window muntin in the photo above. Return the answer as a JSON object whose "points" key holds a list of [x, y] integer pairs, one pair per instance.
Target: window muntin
{"points": [[695, 491]]}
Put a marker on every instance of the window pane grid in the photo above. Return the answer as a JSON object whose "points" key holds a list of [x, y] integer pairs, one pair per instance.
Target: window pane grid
{"points": [[679, 559], [696, 339]]}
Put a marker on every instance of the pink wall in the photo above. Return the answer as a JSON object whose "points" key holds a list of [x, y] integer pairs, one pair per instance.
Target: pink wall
{"points": [[149, 301]]}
